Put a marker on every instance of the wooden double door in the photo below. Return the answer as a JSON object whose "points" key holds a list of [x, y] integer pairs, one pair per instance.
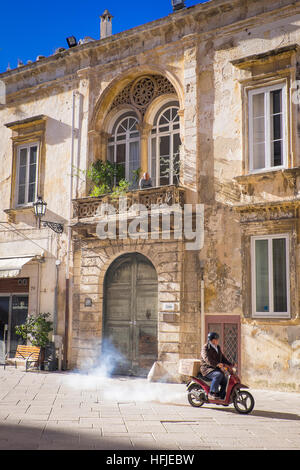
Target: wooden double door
{"points": [[131, 313]]}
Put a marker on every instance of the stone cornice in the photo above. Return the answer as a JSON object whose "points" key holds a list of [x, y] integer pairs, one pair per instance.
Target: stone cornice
{"points": [[252, 178], [265, 56], [196, 14], [268, 211], [28, 122]]}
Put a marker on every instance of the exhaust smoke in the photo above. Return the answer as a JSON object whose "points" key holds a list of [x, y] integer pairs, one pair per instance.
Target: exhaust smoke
{"points": [[99, 378]]}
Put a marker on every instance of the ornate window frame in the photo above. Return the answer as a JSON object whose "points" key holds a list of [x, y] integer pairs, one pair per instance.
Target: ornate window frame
{"points": [[274, 68], [27, 132], [116, 139], [271, 313], [156, 133]]}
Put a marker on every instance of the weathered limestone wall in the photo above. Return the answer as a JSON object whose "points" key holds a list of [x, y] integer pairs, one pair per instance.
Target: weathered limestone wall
{"points": [[271, 355]]}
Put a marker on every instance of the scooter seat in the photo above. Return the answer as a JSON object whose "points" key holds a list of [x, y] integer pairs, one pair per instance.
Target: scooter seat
{"points": [[202, 377]]}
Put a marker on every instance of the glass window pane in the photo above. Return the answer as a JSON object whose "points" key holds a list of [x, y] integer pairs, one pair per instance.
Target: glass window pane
{"points": [[258, 156], [276, 101], [18, 317], [259, 105], [32, 173], [163, 120], [164, 153], [276, 153], [262, 276], [258, 130], [164, 129], [279, 275], [31, 192], [33, 155], [134, 161], [176, 159], [111, 152], [134, 135], [164, 145], [121, 153], [167, 114], [276, 127], [23, 157], [21, 194], [175, 116], [164, 169], [22, 175], [153, 161]]}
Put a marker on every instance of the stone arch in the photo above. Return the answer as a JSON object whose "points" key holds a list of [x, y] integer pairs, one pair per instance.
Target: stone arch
{"points": [[118, 254], [103, 104]]}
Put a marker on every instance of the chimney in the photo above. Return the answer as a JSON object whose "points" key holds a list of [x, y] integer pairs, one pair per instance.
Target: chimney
{"points": [[105, 25]]}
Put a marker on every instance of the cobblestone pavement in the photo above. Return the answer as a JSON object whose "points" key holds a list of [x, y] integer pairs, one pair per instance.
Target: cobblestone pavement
{"points": [[66, 410]]}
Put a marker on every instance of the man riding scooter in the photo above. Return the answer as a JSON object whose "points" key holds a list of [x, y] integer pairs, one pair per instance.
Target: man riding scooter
{"points": [[212, 361]]}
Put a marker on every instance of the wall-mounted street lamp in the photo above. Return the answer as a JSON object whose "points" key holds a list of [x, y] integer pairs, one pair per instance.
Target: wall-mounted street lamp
{"points": [[40, 208]]}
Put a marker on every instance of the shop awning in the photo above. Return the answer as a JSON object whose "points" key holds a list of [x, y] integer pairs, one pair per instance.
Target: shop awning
{"points": [[11, 267]]}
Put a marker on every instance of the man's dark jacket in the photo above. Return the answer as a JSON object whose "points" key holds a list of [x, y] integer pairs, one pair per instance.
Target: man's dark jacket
{"points": [[211, 358]]}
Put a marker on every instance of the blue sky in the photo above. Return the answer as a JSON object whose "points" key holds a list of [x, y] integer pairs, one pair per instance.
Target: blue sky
{"points": [[34, 27]]}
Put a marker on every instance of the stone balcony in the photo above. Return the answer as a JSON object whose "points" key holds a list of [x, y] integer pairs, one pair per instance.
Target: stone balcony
{"points": [[87, 211]]}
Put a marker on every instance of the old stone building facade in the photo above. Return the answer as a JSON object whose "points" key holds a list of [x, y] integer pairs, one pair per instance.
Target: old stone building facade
{"points": [[212, 90]]}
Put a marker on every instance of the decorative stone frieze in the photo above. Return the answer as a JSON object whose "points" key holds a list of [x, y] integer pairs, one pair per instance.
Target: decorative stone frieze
{"points": [[142, 91]]}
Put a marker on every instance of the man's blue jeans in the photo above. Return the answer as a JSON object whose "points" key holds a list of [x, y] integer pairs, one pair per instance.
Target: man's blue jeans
{"points": [[218, 378]]}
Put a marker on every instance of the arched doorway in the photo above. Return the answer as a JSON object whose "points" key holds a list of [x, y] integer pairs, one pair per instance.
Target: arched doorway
{"points": [[130, 313]]}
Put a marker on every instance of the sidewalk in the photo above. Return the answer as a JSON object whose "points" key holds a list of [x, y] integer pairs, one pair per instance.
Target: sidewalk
{"points": [[52, 410]]}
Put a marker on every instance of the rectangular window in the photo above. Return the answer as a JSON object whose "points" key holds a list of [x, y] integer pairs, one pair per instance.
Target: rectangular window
{"points": [[27, 166], [267, 139], [270, 276]]}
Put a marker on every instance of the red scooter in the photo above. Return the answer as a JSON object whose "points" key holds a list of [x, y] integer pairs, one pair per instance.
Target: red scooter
{"points": [[198, 391]]}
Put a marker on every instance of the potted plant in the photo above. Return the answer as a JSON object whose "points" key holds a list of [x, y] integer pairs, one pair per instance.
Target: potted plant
{"points": [[36, 329], [108, 178]]}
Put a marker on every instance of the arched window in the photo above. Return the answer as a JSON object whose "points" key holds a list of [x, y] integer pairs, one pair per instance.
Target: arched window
{"points": [[164, 148], [124, 145]]}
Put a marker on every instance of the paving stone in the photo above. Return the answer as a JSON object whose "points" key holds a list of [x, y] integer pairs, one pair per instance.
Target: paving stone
{"points": [[41, 411]]}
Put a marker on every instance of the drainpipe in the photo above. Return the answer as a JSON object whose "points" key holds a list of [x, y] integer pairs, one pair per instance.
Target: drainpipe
{"points": [[69, 238], [202, 312]]}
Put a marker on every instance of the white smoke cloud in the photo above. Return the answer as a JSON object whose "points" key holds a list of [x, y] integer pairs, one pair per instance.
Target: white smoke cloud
{"points": [[99, 378]]}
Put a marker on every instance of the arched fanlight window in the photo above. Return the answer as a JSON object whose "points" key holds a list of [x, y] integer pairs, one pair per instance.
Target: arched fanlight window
{"points": [[124, 145], [165, 143]]}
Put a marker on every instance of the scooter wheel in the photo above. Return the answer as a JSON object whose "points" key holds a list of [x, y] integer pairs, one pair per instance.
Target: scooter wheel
{"points": [[195, 395], [243, 402]]}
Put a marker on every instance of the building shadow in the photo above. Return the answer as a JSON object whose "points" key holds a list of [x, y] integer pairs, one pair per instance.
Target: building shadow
{"points": [[39, 437], [265, 414]]}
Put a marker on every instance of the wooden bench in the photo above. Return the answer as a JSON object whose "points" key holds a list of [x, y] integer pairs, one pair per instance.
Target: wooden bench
{"points": [[29, 354]]}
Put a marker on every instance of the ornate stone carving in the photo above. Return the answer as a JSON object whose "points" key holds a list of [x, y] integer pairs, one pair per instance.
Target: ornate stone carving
{"points": [[90, 207], [142, 91]]}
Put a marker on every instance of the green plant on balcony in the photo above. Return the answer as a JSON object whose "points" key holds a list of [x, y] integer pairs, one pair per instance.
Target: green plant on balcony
{"points": [[108, 178]]}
